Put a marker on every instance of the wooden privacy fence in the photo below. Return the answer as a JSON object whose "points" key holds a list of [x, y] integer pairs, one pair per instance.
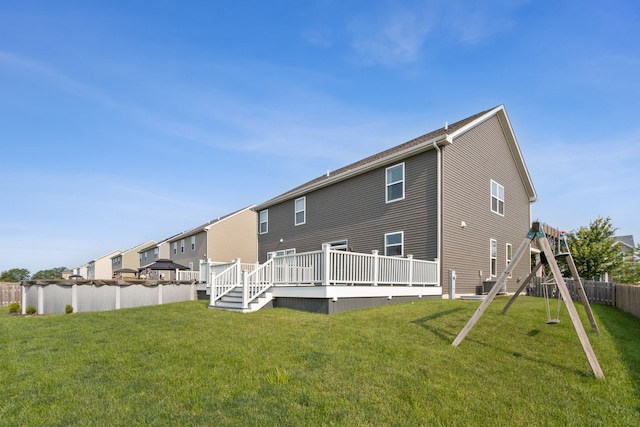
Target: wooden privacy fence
{"points": [[597, 292], [10, 292], [628, 299]]}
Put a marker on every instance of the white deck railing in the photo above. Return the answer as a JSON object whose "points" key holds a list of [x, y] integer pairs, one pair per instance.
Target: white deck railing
{"points": [[223, 278], [188, 275], [325, 267]]}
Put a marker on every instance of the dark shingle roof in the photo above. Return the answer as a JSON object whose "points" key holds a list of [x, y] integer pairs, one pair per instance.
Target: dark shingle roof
{"points": [[442, 132]]}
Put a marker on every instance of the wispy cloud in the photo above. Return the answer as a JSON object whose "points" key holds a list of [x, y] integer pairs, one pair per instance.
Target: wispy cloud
{"points": [[398, 33]]}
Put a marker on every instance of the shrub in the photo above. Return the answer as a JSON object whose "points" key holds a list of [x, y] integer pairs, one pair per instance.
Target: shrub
{"points": [[14, 308], [68, 309], [31, 310]]}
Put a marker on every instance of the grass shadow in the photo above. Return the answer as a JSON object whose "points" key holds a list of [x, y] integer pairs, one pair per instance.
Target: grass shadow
{"points": [[425, 322], [624, 329]]}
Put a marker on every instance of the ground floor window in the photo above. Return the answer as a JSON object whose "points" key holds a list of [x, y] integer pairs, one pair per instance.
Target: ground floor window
{"points": [[393, 243], [494, 257]]}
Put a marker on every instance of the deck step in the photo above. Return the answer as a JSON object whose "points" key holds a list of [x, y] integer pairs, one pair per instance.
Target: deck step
{"points": [[232, 301]]}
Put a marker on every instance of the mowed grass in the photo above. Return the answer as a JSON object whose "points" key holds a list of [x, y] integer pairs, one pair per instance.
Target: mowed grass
{"points": [[184, 364]]}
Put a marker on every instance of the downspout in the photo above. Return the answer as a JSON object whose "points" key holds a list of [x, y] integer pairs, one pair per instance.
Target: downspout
{"points": [[439, 208]]}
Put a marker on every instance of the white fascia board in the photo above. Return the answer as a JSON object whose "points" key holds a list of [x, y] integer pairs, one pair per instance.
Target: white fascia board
{"points": [[502, 116], [230, 216]]}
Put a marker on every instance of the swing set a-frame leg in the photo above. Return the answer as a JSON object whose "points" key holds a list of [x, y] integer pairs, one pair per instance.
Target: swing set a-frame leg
{"points": [[543, 244], [525, 282], [494, 291]]}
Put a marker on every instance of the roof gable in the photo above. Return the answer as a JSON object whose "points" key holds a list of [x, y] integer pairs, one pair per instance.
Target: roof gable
{"points": [[443, 136]]}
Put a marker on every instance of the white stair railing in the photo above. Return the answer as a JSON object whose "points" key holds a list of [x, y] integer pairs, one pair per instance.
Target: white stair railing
{"points": [[256, 282], [224, 281]]}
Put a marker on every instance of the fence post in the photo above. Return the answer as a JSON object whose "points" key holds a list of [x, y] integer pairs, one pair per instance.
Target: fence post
{"points": [[376, 266], [117, 296], [160, 293], [24, 299], [74, 297], [326, 279], [40, 309], [410, 257]]}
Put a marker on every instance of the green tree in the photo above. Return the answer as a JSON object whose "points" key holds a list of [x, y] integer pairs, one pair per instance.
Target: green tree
{"points": [[14, 275], [593, 249], [51, 274]]}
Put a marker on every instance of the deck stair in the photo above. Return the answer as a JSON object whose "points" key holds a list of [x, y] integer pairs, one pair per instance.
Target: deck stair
{"points": [[232, 301]]}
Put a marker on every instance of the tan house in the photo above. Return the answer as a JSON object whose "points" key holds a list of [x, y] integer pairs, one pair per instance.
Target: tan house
{"points": [[100, 268], [220, 240], [128, 260]]}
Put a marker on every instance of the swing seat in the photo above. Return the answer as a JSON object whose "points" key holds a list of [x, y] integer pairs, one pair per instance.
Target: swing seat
{"points": [[553, 321]]}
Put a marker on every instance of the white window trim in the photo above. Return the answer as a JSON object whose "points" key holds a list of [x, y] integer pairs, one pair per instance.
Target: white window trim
{"points": [[497, 198], [387, 184], [281, 252], [508, 251], [175, 248], [340, 245], [193, 243], [182, 246], [401, 244], [265, 222], [297, 211], [493, 243]]}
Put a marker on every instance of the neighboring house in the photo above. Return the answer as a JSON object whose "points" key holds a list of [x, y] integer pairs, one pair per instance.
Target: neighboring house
{"points": [[460, 194], [220, 240], [100, 268], [128, 259], [627, 246], [152, 253], [81, 271]]}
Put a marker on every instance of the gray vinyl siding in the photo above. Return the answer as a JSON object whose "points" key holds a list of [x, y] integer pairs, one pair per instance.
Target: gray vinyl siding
{"points": [[355, 209], [189, 255], [469, 165]]}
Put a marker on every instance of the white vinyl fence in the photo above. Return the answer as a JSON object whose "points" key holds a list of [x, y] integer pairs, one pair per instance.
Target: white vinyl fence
{"points": [[52, 297]]}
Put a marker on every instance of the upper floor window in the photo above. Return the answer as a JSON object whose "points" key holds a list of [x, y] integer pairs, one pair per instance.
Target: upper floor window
{"points": [[182, 246], [395, 183], [155, 253], [193, 243], [145, 256], [264, 221], [301, 210], [393, 244], [175, 248], [497, 198], [493, 255]]}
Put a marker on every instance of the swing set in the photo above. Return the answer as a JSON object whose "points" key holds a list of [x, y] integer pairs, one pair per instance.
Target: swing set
{"points": [[547, 258]]}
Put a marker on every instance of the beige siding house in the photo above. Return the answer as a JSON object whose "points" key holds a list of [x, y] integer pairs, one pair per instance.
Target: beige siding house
{"points": [[129, 259], [100, 268], [220, 240]]}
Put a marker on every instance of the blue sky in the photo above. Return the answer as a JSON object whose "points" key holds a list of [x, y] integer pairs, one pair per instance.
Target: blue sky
{"points": [[127, 121]]}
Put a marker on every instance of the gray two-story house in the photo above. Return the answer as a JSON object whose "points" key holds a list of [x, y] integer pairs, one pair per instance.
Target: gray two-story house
{"points": [[460, 195]]}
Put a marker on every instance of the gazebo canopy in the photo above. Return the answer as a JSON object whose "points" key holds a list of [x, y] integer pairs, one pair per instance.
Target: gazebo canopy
{"points": [[165, 264]]}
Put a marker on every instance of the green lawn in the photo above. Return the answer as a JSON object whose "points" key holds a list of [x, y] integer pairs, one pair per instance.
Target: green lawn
{"points": [[183, 364]]}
